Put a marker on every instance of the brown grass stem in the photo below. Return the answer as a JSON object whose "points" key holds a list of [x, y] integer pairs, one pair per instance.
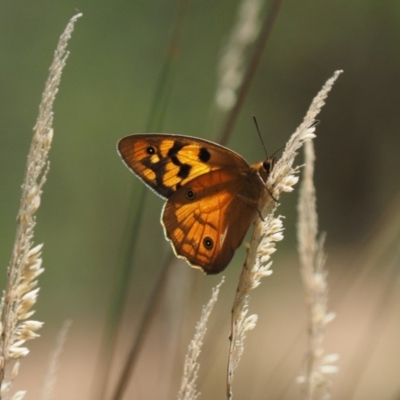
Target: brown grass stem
{"points": [[149, 314], [118, 297], [163, 89], [156, 116]]}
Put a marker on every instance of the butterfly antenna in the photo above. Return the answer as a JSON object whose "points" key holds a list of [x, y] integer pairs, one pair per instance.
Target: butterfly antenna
{"points": [[280, 148], [259, 134]]}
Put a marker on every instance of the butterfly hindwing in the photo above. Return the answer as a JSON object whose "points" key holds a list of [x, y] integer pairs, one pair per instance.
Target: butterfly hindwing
{"points": [[207, 218], [167, 162]]}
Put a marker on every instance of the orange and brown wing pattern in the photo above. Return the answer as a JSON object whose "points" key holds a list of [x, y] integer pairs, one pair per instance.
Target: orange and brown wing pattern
{"points": [[206, 219], [168, 162]]}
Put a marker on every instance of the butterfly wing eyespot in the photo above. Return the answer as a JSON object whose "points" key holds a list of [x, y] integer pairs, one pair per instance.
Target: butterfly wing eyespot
{"points": [[208, 243], [150, 150], [190, 194]]}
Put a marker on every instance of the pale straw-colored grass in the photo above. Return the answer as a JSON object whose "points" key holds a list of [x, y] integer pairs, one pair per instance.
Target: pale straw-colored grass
{"points": [[188, 389], [50, 380], [318, 367], [267, 232], [26, 260], [233, 60]]}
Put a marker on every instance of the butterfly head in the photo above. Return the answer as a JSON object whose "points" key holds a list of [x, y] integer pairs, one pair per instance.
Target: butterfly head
{"points": [[265, 167], [269, 164]]}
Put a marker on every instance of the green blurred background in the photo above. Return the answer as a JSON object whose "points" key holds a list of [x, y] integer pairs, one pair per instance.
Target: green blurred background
{"points": [[118, 50]]}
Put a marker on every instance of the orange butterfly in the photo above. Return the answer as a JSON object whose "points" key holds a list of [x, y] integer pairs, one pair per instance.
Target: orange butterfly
{"points": [[212, 193]]}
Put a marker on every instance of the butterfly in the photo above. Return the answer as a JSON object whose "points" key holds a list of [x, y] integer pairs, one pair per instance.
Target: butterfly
{"points": [[212, 194]]}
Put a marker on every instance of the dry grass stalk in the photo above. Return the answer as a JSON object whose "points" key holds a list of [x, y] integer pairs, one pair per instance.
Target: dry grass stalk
{"points": [[26, 262], [233, 60], [267, 232], [188, 390], [50, 380], [319, 366]]}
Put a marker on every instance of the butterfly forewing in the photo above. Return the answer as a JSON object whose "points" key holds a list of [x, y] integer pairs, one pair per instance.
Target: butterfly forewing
{"points": [[167, 162]]}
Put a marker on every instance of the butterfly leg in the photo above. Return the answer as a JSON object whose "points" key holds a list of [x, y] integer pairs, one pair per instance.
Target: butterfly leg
{"points": [[259, 213], [269, 192], [272, 196]]}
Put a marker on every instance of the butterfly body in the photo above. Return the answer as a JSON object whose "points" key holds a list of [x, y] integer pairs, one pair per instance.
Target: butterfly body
{"points": [[212, 193]]}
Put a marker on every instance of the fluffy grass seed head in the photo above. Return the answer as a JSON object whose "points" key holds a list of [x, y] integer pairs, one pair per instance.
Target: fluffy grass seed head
{"points": [[318, 366], [268, 231], [26, 260], [188, 389]]}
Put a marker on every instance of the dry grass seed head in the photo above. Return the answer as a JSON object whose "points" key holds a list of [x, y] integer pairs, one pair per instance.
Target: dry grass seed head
{"points": [[268, 231]]}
